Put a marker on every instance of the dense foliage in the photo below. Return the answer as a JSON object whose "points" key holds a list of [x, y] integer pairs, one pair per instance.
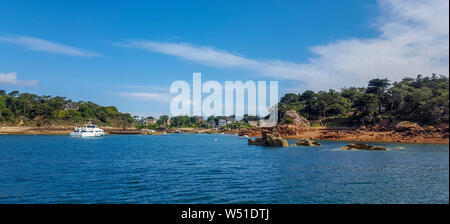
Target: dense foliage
{"points": [[424, 100], [186, 121], [33, 110], [164, 122]]}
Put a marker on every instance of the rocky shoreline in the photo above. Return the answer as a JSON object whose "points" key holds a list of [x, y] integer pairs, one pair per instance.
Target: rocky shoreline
{"points": [[401, 134], [386, 131], [430, 135]]}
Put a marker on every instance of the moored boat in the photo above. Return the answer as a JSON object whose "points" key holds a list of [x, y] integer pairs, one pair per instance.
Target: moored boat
{"points": [[87, 131]]}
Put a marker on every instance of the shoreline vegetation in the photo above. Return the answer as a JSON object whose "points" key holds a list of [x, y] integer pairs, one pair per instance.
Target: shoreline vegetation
{"points": [[434, 136], [408, 111]]}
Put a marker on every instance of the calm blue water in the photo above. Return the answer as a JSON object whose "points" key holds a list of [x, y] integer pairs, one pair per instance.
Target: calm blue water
{"points": [[196, 169]]}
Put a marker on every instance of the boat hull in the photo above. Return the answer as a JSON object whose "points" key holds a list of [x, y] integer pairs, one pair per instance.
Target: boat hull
{"points": [[86, 134]]}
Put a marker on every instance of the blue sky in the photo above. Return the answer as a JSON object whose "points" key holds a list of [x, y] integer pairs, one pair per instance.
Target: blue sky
{"points": [[128, 53]]}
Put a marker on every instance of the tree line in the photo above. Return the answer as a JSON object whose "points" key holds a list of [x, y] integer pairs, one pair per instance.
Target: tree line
{"points": [[165, 122], [32, 110], [423, 100]]}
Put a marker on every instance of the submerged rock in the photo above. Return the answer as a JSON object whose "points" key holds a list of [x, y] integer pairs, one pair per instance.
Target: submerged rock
{"points": [[362, 146], [257, 141], [307, 142]]}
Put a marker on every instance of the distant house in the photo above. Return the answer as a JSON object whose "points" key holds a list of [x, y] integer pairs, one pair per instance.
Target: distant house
{"points": [[211, 124], [147, 121], [271, 122], [199, 120], [222, 123], [71, 106], [230, 120], [266, 123]]}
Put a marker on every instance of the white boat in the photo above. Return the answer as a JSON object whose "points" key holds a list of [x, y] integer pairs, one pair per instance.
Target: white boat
{"points": [[87, 131]]}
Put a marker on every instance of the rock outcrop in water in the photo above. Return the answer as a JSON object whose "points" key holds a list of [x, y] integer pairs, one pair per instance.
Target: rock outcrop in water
{"points": [[307, 142], [362, 146], [269, 139], [257, 141]]}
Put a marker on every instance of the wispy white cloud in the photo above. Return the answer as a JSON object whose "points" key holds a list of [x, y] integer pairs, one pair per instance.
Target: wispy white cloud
{"points": [[214, 57], [37, 44], [414, 39], [145, 96], [129, 87], [11, 79]]}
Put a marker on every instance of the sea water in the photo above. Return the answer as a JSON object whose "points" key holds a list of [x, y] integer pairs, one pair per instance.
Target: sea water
{"points": [[194, 168]]}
